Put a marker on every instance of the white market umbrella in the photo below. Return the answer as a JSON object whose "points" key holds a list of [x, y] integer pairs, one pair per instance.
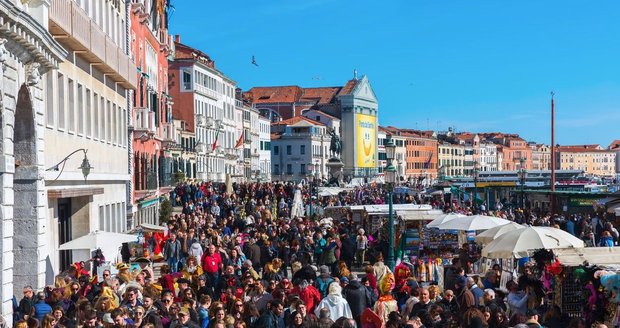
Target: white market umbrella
{"points": [[491, 234], [107, 241], [442, 219], [521, 242], [473, 222]]}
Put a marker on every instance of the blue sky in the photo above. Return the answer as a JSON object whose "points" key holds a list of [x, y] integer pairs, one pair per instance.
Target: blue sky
{"points": [[473, 65]]}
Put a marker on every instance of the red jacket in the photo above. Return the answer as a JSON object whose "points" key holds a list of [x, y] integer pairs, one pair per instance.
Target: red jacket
{"points": [[310, 296]]}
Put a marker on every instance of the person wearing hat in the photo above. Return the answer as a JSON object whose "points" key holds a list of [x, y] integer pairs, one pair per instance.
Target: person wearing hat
{"points": [[324, 280], [183, 320], [357, 296], [532, 319], [465, 297]]}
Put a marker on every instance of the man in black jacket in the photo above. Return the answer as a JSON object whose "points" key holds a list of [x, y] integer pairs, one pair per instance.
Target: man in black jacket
{"points": [[271, 318], [358, 297]]}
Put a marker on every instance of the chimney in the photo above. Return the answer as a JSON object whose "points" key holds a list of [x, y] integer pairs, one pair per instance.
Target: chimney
{"points": [[177, 38]]}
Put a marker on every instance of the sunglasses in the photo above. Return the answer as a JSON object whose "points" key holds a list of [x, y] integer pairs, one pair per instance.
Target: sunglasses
{"points": [[239, 305], [167, 301], [139, 313]]}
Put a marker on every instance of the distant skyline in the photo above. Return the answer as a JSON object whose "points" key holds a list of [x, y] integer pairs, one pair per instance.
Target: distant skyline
{"points": [[477, 66]]}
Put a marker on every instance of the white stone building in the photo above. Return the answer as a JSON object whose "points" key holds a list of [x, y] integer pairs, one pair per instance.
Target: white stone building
{"points": [[488, 157], [87, 114], [205, 99], [264, 152], [295, 143]]}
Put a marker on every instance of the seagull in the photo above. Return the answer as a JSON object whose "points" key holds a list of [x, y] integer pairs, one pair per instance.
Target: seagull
{"points": [[254, 61], [316, 77]]}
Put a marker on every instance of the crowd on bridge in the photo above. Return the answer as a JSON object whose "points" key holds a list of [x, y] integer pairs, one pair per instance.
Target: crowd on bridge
{"points": [[252, 257]]}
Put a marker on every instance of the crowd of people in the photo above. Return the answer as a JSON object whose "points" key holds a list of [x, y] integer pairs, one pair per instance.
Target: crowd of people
{"points": [[245, 260]]}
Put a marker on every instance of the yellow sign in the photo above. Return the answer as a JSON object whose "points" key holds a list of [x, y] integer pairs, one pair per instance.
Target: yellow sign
{"points": [[366, 140]]}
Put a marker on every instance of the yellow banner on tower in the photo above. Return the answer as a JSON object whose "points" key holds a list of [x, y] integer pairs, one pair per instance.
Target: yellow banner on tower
{"points": [[366, 140]]}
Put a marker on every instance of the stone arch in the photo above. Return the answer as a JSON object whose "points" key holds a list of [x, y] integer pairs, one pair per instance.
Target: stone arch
{"points": [[25, 185]]}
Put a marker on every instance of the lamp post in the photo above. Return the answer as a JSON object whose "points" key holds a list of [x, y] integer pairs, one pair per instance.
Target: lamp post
{"points": [[390, 179], [522, 177], [310, 178], [475, 174], [85, 167]]}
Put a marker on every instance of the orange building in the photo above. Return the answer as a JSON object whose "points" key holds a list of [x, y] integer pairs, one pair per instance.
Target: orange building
{"points": [[514, 148], [421, 153]]}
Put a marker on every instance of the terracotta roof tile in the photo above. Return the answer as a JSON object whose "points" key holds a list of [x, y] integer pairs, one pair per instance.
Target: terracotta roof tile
{"points": [[320, 95], [265, 95], [615, 144], [348, 88], [297, 119]]}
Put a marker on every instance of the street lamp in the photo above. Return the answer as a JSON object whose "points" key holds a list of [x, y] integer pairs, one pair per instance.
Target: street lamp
{"points": [[390, 179], [475, 174], [522, 177], [310, 178], [85, 167]]}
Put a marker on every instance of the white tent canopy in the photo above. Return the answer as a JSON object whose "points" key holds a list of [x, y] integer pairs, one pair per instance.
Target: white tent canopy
{"points": [[493, 233], [419, 215], [108, 242], [472, 223], [522, 242], [147, 227], [442, 219], [602, 256]]}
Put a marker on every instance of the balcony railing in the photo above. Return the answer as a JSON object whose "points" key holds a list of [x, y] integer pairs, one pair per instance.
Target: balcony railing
{"points": [[144, 120], [170, 132], [74, 28]]}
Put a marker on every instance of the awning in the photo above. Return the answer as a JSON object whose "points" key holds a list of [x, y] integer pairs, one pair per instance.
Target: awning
{"points": [[422, 215], [602, 256], [73, 192]]}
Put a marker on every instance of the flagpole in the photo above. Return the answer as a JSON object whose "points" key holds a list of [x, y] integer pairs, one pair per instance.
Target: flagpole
{"points": [[552, 196]]}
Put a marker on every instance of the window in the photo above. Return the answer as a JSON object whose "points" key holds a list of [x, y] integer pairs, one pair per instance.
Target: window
{"points": [[102, 226], [102, 119], [49, 101], [276, 169], [108, 130], [302, 150], [289, 169], [88, 113], [71, 107], [276, 150], [60, 81], [302, 169], [187, 81], [288, 149], [80, 109]]}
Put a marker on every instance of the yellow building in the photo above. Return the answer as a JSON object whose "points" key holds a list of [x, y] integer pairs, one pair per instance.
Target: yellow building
{"points": [[591, 159]]}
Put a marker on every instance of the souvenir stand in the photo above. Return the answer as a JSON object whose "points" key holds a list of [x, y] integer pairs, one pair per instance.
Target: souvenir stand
{"points": [[421, 246], [586, 283], [144, 247]]}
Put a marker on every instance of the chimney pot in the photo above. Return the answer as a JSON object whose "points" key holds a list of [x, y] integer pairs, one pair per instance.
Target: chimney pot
{"points": [[177, 38]]}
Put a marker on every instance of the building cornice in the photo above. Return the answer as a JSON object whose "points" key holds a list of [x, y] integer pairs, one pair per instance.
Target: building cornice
{"points": [[28, 39]]}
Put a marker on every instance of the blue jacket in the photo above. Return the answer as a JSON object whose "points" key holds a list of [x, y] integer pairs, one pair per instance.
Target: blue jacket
{"points": [[41, 309]]}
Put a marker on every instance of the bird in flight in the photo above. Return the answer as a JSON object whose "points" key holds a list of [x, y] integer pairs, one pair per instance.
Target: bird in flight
{"points": [[254, 61]]}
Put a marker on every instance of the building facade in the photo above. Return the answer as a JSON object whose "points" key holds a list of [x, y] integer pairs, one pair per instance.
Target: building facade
{"points": [[264, 152], [593, 160], [153, 131], [354, 104], [488, 158], [451, 158], [28, 54], [87, 112], [541, 156], [205, 99], [295, 143]]}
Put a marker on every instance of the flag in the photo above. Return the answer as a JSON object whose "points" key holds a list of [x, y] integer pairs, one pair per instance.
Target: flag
{"points": [[217, 133], [428, 163], [240, 141]]}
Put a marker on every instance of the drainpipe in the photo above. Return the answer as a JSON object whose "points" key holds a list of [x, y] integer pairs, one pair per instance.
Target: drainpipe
{"points": [[129, 93]]}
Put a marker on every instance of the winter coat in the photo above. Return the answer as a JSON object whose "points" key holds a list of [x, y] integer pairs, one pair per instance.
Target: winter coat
{"points": [[358, 297], [337, 305]]}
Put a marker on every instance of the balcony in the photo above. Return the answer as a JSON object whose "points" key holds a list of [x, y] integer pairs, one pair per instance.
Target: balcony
{"points": [[206, 91], [144, 121], [170, 132], [71, 26]]}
